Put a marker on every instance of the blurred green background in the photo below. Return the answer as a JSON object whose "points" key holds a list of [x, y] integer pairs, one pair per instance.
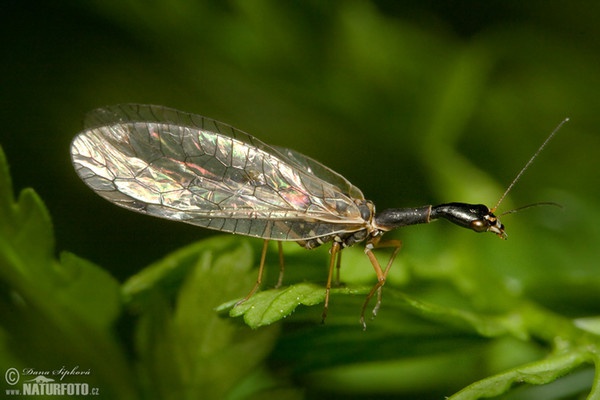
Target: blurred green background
{"points": [[417, 102]]}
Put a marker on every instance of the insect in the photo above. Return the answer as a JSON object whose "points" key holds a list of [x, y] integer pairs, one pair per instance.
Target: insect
{"points": [[185, 167]]}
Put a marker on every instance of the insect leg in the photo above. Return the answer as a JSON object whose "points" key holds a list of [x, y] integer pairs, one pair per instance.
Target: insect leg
{"points": [[335, 249], [338, 266], [261, 269], [281, 265], [381, 274]]}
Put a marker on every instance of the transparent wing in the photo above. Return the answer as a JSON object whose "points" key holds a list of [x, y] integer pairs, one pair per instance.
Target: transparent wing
{"points": [[128, 113], [185, 167], [321, 171]]}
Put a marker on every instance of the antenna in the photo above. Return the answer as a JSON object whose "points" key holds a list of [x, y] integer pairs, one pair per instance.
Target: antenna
{"points": [[533, 157], [541, 203]]}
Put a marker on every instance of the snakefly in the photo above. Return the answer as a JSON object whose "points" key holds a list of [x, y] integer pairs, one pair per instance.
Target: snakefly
{"points": [[188, 168]]}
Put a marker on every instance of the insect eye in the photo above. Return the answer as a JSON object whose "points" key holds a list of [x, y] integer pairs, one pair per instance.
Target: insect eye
{"points": [[479, 225]]}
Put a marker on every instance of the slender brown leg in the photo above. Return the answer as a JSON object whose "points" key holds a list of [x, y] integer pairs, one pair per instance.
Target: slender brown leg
{"points": [[381, 274], [281, 266], [338, 266], [261, 270], [335, 248]]}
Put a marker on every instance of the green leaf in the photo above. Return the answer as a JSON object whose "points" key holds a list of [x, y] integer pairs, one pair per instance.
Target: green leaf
{"points": [[536, 373], [487, 325], [170, 272], [90, 291], [25, 229], [52, 314], [205, 355], [269, 306]]}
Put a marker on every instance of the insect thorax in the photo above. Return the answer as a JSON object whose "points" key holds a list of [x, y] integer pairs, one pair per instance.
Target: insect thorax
{"points": [[347, 239]]}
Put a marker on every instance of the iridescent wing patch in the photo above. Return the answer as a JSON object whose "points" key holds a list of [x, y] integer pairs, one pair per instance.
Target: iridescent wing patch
{"points": [[185, 167]]}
